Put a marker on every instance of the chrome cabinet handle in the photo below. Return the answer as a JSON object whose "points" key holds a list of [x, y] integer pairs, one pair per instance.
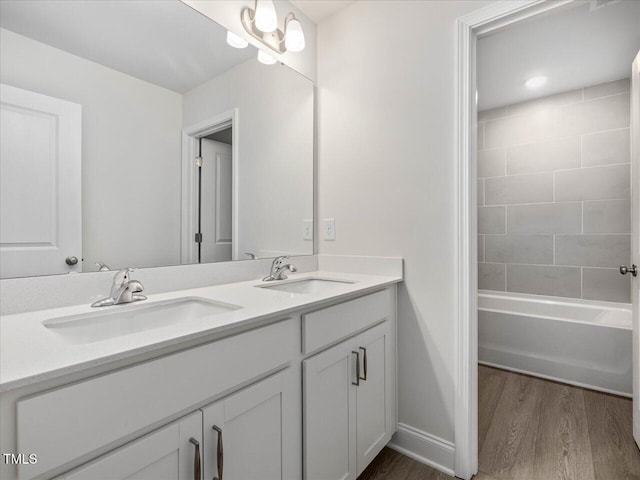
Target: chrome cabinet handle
{"points": [[219, 452], [364, 363], [71, 260], [197, 465], [357, 382], [633, 270]]}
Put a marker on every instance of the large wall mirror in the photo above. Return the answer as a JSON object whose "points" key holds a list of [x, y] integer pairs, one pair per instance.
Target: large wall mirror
{"points": [[134, 135]]}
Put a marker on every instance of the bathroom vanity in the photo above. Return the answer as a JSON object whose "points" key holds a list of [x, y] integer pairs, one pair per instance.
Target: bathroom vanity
{"points": [[251, 380]]}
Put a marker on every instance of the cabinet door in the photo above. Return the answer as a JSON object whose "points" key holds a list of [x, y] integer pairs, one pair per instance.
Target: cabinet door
{"points": [[166, 454], [243, 433], [329, 414], [375, 394]]}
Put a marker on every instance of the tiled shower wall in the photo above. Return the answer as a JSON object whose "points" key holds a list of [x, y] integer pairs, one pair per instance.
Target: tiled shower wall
{"points": [[554, 195]]}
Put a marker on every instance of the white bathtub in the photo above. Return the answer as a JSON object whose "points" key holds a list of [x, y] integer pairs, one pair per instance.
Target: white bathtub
{"points": [[581, 342]]}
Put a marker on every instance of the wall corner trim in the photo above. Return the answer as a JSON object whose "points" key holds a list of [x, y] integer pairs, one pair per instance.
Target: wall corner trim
{"points": [[424, 447]]}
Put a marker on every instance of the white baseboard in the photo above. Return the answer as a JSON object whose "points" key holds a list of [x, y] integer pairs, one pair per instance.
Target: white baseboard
{"points": [[425, 448]]}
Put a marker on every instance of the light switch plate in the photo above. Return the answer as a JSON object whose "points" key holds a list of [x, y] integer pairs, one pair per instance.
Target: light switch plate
{"points": [[329, 228], [307, 229]]}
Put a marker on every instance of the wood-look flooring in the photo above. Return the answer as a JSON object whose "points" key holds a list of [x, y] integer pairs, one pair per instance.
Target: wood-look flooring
{"points": [[535, 429]]}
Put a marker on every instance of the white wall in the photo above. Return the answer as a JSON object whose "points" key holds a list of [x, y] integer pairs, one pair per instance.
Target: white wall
{"points": [[227, 14], [130, 151], [386, 162], [275, 164]]}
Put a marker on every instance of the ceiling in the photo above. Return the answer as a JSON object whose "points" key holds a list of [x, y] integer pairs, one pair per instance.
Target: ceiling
{"points": [[573, 48], [164, 42], [318, 10]]}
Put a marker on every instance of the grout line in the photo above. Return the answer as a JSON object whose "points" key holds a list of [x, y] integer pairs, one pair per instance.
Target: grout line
{"points": [[505, 277], [605, 165], [546, 265], [581, 150]]}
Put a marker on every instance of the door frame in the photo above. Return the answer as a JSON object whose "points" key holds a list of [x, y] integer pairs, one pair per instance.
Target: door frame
{"points": [[189, 214], [469, 28]]}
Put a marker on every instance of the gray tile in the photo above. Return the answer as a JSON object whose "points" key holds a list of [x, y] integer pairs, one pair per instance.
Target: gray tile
{"points": [[605, 113], [480, 191], [595, 183], [606, 284], [492, 114], [480, 135], [491, 163], [544, 218], [544, 280], [535, 188], [607, 216], [480, 248], [519, 129], [544, 157], [531, 107], [491, 276], [609, 88], [592, 250], [605, 148], [491, 220], [531, 249]]}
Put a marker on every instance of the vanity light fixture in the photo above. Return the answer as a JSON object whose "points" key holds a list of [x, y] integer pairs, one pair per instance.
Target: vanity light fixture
{"points": [[262, 24], [265, 58], [536, 82], [265, 17], [236, 41]]}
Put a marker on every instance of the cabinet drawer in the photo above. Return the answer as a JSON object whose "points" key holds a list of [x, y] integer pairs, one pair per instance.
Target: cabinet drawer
{"points": [[67, 423], [326, 326]]}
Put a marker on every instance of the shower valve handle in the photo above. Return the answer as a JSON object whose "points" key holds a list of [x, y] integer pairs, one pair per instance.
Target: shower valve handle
{"points": [[633, 270]]}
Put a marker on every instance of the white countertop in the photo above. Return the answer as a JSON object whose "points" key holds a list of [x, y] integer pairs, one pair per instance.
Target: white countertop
{"points": [[30, 352]]}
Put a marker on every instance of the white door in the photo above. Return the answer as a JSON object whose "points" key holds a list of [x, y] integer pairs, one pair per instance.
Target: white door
{"points": [[166, 454], [216, 199], [243, 433], [374, 415], [635, 239], [40, 191], [330, 414]]}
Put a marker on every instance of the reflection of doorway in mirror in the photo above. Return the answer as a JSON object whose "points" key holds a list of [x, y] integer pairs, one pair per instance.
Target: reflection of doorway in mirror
{"points": [[215, 214], [209, 213]]}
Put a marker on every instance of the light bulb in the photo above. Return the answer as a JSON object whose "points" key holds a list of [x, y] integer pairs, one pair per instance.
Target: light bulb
{"points": [[536, 82], [265, 17], [265, 58], [294, 36], [236, 41]]}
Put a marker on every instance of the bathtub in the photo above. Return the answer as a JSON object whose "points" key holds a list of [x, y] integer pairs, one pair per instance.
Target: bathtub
{"points": [[580, 342]]}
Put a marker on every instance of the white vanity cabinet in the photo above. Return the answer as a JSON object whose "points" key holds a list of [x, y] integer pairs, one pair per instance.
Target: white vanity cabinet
{"points": [[349, 397], [170, 453], [244, 433], [310, 396]]}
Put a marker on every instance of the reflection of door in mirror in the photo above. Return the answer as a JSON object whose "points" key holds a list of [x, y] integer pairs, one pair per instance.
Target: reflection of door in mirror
{"points": [[216, 199], [40, 207]]}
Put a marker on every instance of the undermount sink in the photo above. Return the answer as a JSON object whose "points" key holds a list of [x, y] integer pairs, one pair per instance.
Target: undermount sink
{"points": [[306, 285], [123, 320]]}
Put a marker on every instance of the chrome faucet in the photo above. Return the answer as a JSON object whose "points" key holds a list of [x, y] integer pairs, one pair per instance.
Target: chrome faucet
{"points": [[278, 267], [123, 290]]}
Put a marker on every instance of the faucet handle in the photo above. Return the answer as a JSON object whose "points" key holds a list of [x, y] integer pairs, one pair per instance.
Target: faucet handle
{"points": [[122, 276], [280, 259]]}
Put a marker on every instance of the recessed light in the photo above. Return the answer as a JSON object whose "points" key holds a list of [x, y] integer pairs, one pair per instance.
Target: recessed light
{"points": [[536, 82]]}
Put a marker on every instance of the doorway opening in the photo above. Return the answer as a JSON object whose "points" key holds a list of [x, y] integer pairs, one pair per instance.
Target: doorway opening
{"points": [[210, 190], [501, 151]]}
